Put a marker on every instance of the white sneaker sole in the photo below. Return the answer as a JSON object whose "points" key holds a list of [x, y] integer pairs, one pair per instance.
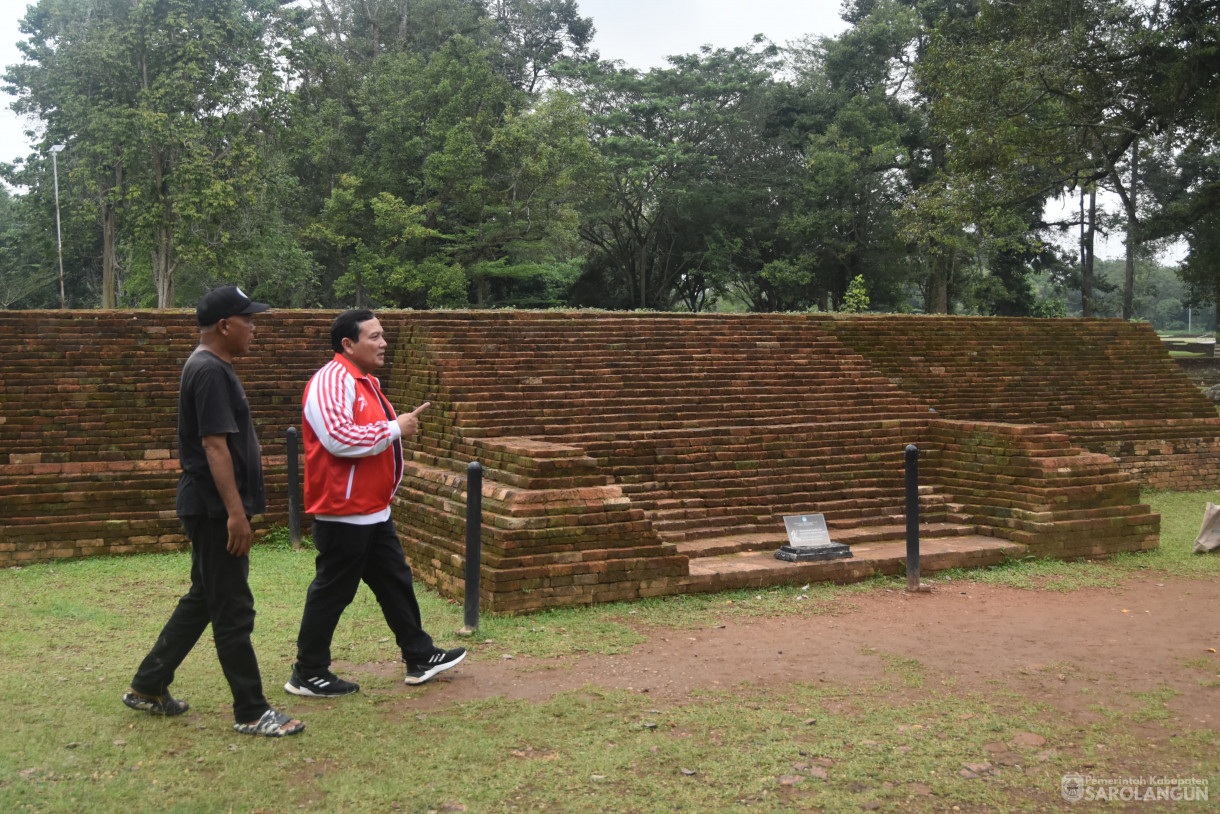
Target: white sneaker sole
{"points": [[308, 693], [434, 671]]}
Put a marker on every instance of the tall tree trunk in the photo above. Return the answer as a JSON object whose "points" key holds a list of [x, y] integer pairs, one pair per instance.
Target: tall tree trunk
{"points": [[163, 263], [1088, 241], [938, 287], [641, 261], [110, 260], [1216, 328], [1132, 234], [109, 295]]}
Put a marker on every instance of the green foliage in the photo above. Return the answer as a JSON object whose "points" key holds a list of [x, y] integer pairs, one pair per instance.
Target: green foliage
{"points": [[1042, 97], [856, 300], [454, 152], [25, 275], [161, 105], [1160, 295]]}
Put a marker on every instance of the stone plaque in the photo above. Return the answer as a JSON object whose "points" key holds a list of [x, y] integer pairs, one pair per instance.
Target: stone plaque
{"points": [[806, 530], [809, 539]]}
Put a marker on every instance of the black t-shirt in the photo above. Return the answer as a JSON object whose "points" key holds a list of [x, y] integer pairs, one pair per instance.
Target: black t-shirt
{"points": [[211, 401]]}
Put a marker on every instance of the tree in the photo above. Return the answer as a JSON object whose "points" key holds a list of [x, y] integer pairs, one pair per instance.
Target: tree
{"points": [[456, 193], [1042, 96], [672, 139], [856, 301], [534, 35], [849, 111], [161, 103], [25, 273]]}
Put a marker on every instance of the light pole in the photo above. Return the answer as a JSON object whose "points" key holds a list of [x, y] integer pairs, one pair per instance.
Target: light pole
{"points": [[56, 149]]}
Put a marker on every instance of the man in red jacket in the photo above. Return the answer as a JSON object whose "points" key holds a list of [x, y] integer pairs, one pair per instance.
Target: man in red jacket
{"points": [[353, 465]]}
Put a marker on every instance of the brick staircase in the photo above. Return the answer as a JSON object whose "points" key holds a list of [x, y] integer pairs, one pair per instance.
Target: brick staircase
{"points": [[714, 430], [711, 430], [1026, 371], [558, 377], [1102, 382]]}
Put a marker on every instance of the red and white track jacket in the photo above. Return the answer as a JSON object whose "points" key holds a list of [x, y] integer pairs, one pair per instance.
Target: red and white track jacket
{"points": [[353, 451]]}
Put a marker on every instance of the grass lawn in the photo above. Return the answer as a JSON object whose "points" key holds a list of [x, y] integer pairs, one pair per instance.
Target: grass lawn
{"points": [[74, 633]]}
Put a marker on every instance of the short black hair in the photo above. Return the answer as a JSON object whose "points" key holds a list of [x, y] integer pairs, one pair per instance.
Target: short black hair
{"points": [[347, 326]]}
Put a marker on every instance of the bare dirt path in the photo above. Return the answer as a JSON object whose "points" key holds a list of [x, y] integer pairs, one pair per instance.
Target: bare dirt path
{"points": [[1152, 632]]}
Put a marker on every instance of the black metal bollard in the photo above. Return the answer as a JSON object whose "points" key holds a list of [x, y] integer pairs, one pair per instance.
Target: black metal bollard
{"points": [[294, 490], [912, 461], [474, 542]]}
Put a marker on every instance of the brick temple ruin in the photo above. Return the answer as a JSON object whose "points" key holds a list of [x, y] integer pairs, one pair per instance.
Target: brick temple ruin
{"points": [[640, 454]]}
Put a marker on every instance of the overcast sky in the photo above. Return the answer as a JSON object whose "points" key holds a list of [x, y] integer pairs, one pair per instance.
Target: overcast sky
{"points": [[12, 142]]}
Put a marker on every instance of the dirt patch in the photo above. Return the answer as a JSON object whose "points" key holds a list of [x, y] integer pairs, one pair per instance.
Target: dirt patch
{"points": [[1070, 650]]}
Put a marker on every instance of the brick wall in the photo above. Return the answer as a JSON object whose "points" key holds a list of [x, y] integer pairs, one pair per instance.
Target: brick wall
{"points": [[88, 432], [611, 440]]}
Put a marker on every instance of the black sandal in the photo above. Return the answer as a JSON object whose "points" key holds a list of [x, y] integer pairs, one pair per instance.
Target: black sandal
{"points": [[155, 704]]}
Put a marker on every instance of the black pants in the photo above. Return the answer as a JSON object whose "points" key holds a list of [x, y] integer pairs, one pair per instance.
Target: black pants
{"points": [[219, 595], [348, 553]]}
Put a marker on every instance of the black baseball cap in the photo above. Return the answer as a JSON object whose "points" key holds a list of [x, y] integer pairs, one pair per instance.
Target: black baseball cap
{"points": [[224, 302]]}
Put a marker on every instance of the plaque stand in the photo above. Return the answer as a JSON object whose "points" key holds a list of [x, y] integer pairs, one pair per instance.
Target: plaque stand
{"points": [[810, 540], [809, 553]]}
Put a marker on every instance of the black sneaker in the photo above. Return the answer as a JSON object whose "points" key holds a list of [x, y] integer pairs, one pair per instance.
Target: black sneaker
{"points": [[324, 685], [441, 660]]}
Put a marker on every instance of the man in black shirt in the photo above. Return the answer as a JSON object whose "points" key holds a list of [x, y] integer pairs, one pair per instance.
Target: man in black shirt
{"points": [[220, 488]]}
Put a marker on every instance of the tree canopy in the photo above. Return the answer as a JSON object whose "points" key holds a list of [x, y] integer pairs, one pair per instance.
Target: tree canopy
{"points": [[481, 153]]}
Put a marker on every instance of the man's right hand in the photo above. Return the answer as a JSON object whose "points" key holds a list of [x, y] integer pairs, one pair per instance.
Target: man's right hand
{"points": [[241, 536], [409, 422]]}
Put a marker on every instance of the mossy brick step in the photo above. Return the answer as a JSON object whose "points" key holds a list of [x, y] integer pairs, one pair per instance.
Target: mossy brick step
{"points": [[559, 423], [143, 523], [671, 402], [842, 504], [112, 470], [84, 497], [760, 569], [677, 505], [712, 473], [1138, 535], [606, 356], [844, 514], [766, 522], [581, 407], [608, 438], [705, 492], [1152, 431], [471, 391], [798, 426], [545, 369], [659, 499], [771, 541], [721, 385], [841, 494], [1066, 515], [626, 340], [132, 509]]}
